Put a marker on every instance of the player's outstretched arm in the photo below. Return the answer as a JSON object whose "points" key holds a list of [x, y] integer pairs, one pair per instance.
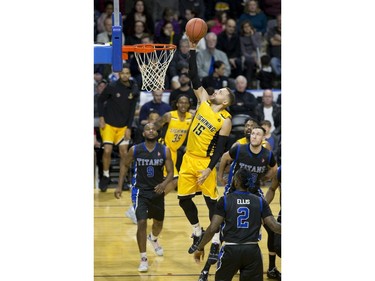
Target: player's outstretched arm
{"points": [[199, 91]]}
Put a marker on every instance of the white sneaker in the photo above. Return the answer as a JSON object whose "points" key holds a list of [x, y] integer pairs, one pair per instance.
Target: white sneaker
{"points": [[158, 249], [130, 213], [143, 266]]}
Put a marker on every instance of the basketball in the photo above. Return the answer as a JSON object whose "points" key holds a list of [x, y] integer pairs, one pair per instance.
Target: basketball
{"points": [[196, 29]]}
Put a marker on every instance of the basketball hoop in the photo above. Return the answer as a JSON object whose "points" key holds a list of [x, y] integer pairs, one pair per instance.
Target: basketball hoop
{"points": [[153, 61]]}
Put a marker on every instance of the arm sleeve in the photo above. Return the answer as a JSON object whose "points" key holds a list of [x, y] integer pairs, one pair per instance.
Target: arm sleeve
{"points": [[219, 150], [193, 70]]}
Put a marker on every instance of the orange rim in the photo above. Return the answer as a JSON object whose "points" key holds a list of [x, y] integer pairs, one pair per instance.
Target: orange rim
{"points": [[147, 48]]}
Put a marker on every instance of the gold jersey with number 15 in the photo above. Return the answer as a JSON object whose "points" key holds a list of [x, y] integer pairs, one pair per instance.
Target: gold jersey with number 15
{"points": [[204, 130]]}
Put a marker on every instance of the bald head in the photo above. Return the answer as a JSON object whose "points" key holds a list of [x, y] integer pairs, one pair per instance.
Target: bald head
{"points": [[211, 40], [241, 83], [267, 98]]}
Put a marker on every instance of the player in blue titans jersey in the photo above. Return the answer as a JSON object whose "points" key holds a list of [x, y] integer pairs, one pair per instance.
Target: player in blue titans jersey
{"points": [[238, 215], [148, 184]]}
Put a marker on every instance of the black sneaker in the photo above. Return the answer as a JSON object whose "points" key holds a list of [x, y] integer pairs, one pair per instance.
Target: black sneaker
{"points": [[196, 241], [203, 276], [213, 256], [274, 274], [103, 184]]}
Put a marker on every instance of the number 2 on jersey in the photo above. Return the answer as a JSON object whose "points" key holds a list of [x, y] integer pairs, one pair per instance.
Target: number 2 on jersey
{"points": [[243, 217]]}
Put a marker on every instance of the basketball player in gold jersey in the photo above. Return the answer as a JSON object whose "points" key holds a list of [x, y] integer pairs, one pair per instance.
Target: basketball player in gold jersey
{"points": [[207, 137], [176, 132]]}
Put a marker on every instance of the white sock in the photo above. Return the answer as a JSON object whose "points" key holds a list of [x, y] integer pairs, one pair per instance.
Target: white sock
{"points": [[153, 237], [197, 230], [106, 173], [144, 255], [216, 238]]}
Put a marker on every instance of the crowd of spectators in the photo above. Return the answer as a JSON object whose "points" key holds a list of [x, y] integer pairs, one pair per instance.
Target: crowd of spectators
{"points": [[242, 50]]}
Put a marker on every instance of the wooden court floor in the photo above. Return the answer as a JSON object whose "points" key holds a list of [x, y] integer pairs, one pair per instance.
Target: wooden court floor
{"points": [[116, 255]]}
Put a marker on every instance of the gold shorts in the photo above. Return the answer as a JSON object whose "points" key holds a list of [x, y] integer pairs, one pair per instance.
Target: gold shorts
{"points": [[112, 135], [189, 174]]}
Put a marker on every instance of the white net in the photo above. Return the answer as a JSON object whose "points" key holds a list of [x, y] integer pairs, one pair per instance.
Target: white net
{"points": [[153, 65]]}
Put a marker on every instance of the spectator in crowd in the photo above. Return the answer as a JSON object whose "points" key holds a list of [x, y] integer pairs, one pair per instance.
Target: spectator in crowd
{"points": [[152, 116], [156, 104], [136, 35], [217, 24], [186, 90], [138, 12], [250, 42], [206, 58], [180, 58], [169, 15], [106, 35], [168, 35], [265, 75], [193, 5], [255, 15], [269, 110], [272, 139], [98, 77], [274, 45], [271, 8], [228, 41], [158, 7], [217, 79], [108, 10], [182, 67], [245, 103], [99, 89], [215, 6], [185, 17]]}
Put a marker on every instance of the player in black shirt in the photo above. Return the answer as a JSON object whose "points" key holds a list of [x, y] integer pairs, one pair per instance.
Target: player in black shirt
{"points": [[148, 185], [274, 239], [255, 158], [239, 216], [261, 164], [116, 108]]}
